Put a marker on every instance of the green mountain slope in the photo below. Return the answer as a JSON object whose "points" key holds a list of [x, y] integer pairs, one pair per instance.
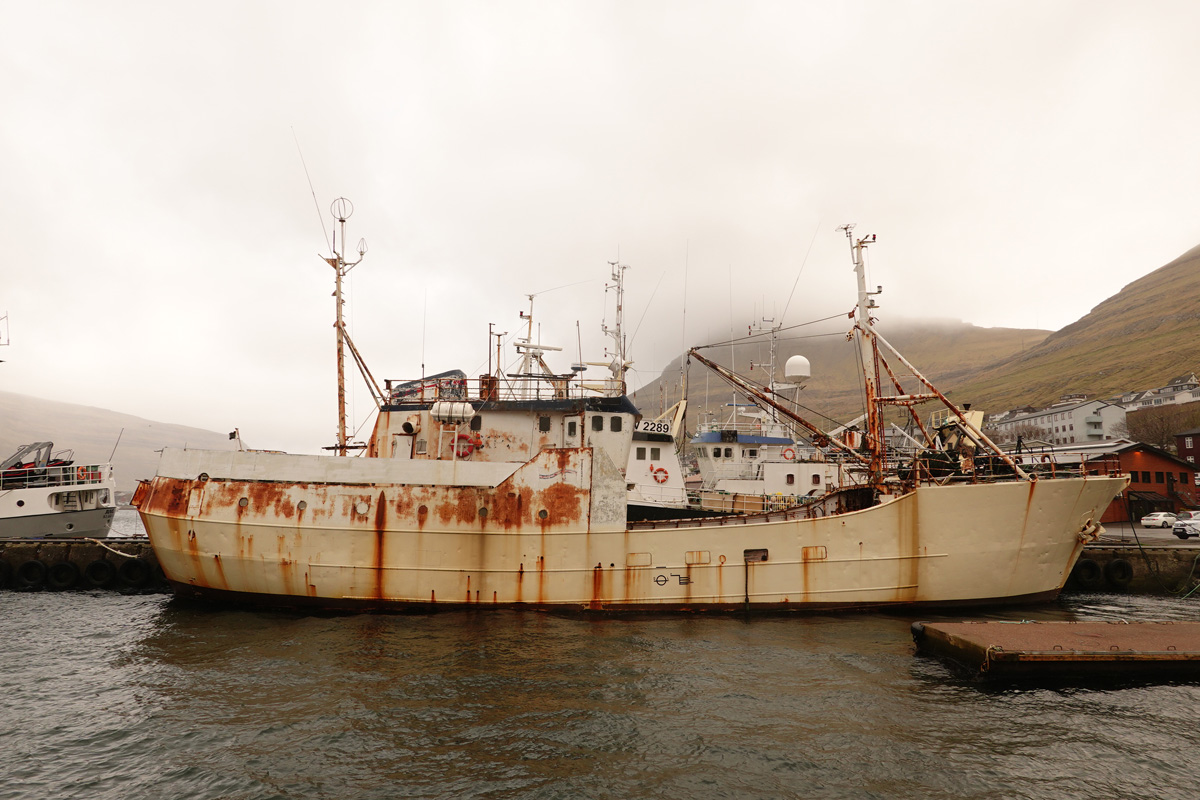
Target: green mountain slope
{"points": [[1139, 338], [946, 352]]}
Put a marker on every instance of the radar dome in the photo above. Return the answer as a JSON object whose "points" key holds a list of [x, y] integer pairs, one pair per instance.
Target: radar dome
{"points": [[797, 369]]}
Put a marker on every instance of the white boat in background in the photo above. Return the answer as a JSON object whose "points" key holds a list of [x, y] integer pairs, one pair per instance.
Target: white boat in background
{"points": [[45, 494], [511, 489]]}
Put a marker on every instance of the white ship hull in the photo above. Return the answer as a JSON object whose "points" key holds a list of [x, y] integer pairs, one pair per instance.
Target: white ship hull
{"points": [[362, 534], [64, 502]]}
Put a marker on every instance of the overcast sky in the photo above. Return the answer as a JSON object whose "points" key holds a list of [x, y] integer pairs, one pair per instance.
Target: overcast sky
{"points": [[1019, 163]]}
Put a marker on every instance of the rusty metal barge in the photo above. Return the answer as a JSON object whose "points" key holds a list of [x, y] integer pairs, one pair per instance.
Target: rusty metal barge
{"points": [[1068, 652], [510, 490]]}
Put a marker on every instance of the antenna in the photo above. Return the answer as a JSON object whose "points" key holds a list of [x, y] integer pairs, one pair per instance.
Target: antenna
{"points": [[316, 205], [342, 209]]}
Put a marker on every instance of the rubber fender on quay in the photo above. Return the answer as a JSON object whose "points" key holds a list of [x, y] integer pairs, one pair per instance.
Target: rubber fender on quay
{"points": [[1118, 573], [99, 574], [134, 573], [1088, 574], [62, 575], [31, 574]]}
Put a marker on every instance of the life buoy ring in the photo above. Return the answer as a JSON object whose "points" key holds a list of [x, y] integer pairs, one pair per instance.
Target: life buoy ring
{"points": [[660, 474], [471, 444], [82, 473], [789, 454]]}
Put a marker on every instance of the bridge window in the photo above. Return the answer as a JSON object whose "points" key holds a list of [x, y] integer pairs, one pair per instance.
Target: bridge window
{"points": [[544, 424], [641, 454], [597, 423], [729, 452], [654, 454], [614, 424]]}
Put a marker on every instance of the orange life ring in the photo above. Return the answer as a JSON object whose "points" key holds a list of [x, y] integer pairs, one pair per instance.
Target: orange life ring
{"points": [[82, 473], [473, 442], [788, 454], [660, 475]]}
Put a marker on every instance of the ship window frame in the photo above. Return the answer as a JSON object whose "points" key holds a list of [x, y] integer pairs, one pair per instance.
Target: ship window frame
{"points": [[543, 424], [641, 454], [597, 423], [656, 454], [476, 423], [572, 428], [729, 452], [422, 447], [614, 424], [790, 479]]}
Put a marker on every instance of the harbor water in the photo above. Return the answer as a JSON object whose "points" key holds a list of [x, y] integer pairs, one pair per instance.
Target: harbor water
{"points": [[137, 696]]}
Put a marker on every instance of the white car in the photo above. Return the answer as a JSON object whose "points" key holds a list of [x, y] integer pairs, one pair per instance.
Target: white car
{"points": [[1187, 524], [1159, 519]]}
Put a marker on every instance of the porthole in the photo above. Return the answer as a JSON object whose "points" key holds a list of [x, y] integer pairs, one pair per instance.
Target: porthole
{"points": [[483, 513], [303, 504], [245, 501], [543, 514]]}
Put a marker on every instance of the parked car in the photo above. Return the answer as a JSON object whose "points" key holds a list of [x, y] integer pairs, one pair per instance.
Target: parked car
{"points": [[1187, 523], [1159, 519]]}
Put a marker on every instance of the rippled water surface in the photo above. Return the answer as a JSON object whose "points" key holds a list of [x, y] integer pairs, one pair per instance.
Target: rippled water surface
{"points": [[111, 696]]}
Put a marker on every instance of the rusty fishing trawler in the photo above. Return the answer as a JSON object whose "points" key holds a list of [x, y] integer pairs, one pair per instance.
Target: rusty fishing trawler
{"points": [[509, 490]]}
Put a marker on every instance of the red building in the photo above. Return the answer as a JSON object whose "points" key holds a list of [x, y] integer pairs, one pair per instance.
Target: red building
{"points": [[1159, 481]]}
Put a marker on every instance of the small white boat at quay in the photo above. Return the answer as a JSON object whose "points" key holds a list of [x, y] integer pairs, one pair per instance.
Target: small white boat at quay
{"points": [[45, 494], [511, 490]]}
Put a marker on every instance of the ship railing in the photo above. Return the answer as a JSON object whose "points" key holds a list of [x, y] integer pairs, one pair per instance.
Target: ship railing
{"points": [[749, 428], [488, 388], [28, 477]]}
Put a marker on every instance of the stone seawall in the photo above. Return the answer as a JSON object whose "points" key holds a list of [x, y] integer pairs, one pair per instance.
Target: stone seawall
{"points": [[126, 565]]}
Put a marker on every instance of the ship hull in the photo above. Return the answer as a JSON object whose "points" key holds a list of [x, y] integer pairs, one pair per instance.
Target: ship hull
{"points": [[551, 534]]}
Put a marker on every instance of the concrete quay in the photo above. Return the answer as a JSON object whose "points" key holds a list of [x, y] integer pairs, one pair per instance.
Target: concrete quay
{"points": [[125, 565], [1130, 558]]}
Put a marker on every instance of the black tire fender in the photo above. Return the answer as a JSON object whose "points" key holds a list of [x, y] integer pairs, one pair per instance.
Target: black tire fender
{"points": [[100, 574], [31, 574], [62, 575], [1088, 574], [134, 573], [1118, 572]]}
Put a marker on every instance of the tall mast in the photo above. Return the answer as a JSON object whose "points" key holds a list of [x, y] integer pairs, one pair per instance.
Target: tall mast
{"points": [[342, 209], [619, 364], [864, 336]]}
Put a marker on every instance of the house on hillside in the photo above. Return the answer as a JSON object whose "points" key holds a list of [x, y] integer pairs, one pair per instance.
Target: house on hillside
{"points": [[1158, 480], [1071, 421], [1180, 389]]}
